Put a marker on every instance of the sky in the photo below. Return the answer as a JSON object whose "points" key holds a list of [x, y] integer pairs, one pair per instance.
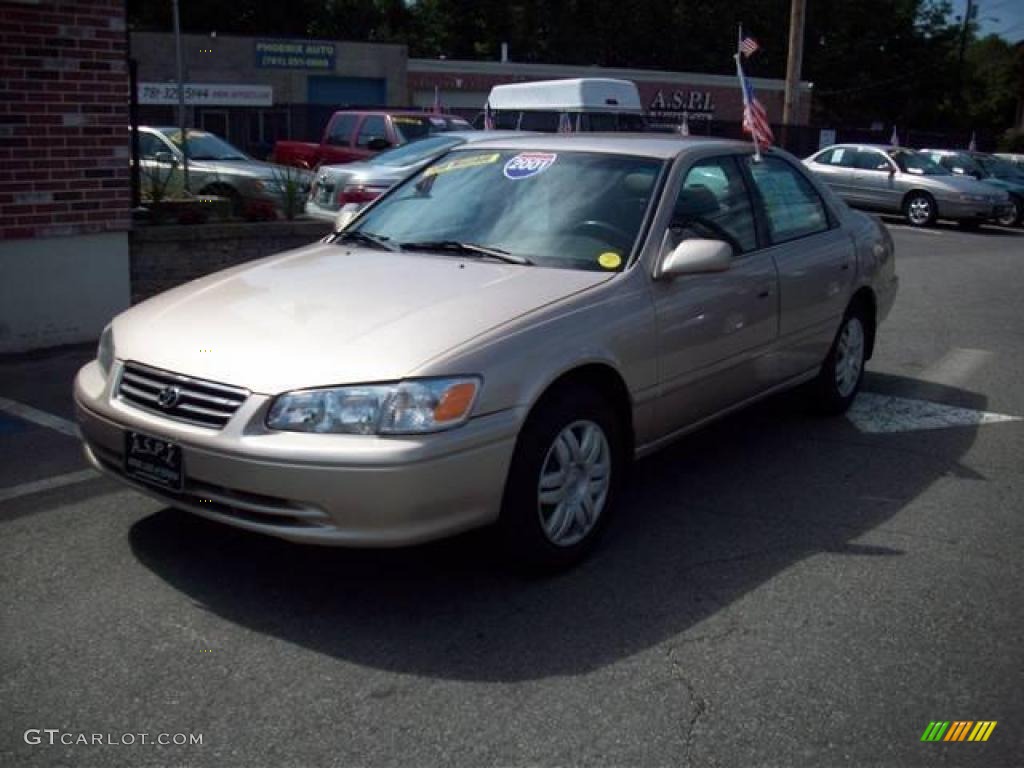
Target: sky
{"points": [[1010, 15]]}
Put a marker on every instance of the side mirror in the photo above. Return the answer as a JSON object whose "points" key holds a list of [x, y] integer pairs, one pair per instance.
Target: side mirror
{"points": [[378, 144], [697, 256], [348, 212], [165, 158]]}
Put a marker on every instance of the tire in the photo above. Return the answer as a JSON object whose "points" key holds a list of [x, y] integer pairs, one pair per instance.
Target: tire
{"points": [[542, 535], [223, 190], [1014, 217], [919, 209], [843, 370]]}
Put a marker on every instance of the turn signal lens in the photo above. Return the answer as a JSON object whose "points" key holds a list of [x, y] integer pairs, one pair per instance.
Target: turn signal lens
{"points": [[455, 402]]}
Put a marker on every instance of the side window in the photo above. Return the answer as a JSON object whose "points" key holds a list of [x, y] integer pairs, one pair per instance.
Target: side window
{"points": [[373, 127], [149, 145], [871, 161], [713, 203], [792, 205], [341, 131], [840, 156]]}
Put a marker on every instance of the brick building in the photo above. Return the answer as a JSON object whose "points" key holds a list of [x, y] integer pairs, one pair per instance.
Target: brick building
{"points": [[64, 166]]}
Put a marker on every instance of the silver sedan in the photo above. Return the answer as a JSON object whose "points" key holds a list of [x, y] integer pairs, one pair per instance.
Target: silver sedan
{"points": [[898, 180], [359, 183], [491, 342]]}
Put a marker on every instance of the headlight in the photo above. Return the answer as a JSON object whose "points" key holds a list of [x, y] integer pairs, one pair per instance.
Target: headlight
{"points": [[975, 198], [404, 407], [105, 351]]}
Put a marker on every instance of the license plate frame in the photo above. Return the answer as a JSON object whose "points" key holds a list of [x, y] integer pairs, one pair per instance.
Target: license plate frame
{"points": [[153, 460]]}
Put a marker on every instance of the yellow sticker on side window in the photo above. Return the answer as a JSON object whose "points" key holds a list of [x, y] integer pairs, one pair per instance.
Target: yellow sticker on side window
{"points": [[610, 260], [462, 162]]}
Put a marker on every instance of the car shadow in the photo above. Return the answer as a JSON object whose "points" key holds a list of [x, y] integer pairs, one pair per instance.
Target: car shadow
{"points": [[700, 525]]}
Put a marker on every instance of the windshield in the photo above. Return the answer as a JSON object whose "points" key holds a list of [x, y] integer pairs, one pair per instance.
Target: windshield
{"points": [[1001, 169], [205, 146], [413, 127], [917, 164], [577, 210], [416, 151]]}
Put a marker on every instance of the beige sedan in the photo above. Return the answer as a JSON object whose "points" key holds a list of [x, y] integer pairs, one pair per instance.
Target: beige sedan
{"points": [[490, 343]]}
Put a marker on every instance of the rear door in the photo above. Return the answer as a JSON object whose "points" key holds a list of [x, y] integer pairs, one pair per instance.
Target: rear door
{"points": [[814, 258], [835, 167]]}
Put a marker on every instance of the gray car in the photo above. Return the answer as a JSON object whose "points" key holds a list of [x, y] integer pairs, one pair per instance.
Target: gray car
{"points": [[215, 168], [491, 343], [892, 179], [337, 185]]}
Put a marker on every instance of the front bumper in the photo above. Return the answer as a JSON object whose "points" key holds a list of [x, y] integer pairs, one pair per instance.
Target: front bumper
{"points": [[352, 490]]}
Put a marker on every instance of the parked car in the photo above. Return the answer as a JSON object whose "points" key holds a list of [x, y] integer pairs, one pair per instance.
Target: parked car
{"points": [[353, 135], [215, 167], [992, 170], [1011, 157], [899, 180], [337, 185], [490, 342]]}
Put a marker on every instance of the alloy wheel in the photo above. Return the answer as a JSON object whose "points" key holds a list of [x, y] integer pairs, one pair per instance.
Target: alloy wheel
{"points": [[574, 482], [849, 356]]}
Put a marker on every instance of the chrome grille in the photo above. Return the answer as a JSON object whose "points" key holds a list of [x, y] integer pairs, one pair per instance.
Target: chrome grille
{"points": [[196, 401]]}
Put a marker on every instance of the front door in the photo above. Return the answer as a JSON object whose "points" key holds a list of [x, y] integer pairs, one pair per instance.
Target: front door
{"points": [[874, 179], [714, 329]]}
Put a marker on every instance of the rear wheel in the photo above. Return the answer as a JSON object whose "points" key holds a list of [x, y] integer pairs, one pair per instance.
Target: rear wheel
{"points": [[562, 483], [1012, 217], [919, 208], [843, 370]]}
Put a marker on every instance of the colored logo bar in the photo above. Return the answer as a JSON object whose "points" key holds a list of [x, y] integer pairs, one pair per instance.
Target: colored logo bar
{"points": [[958, 730]]}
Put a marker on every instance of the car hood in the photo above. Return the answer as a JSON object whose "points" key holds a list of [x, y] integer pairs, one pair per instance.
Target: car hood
{"points": [[329, 314], [364, 173]]}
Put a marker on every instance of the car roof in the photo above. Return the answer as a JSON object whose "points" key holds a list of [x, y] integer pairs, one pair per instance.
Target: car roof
{"points": [[658, 145]]}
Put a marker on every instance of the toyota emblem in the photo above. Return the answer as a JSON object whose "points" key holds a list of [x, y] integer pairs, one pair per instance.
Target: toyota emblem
{"points": [[168, 397]]}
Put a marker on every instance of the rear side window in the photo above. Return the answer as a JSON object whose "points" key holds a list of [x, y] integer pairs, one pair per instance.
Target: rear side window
{"points": [[792, 206], [373, 127], [340, 132], [713, 203], [841, 156]]}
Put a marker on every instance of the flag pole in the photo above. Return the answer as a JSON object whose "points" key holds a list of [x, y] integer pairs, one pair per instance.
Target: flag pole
{"points": [[746, 106]]}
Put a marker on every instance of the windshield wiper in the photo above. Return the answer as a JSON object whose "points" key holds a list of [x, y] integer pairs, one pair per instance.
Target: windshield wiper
{"points": [[467, 249], [368, 238]]}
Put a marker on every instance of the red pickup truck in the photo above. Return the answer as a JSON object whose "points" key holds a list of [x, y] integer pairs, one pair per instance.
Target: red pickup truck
{"points": [[357, 135]]}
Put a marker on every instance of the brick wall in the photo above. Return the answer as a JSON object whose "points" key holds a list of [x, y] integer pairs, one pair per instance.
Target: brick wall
{"points": [[64, 147]]}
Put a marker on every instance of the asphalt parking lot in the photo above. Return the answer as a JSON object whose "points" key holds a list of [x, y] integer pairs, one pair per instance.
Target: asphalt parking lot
{"points": [[778, 590]]}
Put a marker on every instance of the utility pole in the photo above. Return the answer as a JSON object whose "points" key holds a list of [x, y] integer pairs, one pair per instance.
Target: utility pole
{"points": [[969, 12], [794, 63], [181, 93]]}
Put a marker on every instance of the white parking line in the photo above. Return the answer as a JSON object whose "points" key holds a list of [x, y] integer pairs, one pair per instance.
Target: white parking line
{"points": [[880, 414], [27, 489], [955, 367], [28, 413], [905, 228]]}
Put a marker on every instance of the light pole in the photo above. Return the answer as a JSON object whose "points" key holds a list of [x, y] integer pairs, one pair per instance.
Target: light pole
{"points": [[181, 94]]}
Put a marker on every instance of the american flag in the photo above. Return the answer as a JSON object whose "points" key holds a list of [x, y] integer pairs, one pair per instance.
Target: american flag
{"points": [[488, 117], [748, 46], [755, 117]]}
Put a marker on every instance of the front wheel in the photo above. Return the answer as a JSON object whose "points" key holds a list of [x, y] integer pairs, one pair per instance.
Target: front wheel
{"points": [[562, 483], [843, 370], [1012, 217], [919, 208]]}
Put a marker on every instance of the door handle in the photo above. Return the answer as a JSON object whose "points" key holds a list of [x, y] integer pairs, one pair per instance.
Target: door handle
{"points": [[845, 266], [764, 293]]}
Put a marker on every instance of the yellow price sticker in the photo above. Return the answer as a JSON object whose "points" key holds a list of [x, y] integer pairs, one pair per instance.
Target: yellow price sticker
{"points": [[462, 162], [610, 260]]}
